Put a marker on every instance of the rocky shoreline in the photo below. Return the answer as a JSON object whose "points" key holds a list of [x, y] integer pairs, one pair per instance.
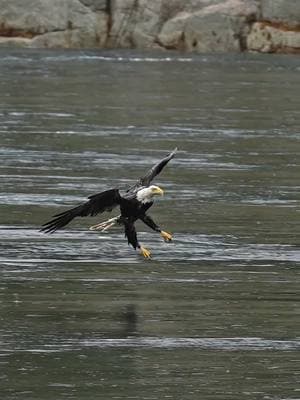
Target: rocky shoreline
{"points": [[200, 26]]}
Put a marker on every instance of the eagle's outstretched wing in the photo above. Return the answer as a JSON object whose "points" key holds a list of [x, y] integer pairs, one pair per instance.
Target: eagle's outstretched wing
{"points": [[153, 172], [98, 203]]}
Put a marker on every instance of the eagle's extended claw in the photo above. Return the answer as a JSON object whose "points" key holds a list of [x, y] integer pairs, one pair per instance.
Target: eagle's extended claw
{"points": [[146, 253], [104, 226], [166, 236]]}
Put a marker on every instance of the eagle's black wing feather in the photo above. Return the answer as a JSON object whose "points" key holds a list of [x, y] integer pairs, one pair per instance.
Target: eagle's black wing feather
{"points": [[98, 203], [153, 172]]}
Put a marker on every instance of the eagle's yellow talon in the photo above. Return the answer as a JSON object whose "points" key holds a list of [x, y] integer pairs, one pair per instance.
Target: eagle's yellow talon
{"points": [[146, 253], [166, 236]]}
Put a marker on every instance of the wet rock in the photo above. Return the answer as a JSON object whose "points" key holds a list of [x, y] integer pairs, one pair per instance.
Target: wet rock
{"points": [[273, 38]]}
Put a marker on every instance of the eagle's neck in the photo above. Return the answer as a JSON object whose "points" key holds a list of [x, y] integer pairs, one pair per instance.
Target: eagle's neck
{"points": [[144, 195]]}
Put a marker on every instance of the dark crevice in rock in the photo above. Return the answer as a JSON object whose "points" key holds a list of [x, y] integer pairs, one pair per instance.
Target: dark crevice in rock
{"points": [[243, 43], [95, 5], [9, 32], [108, 10], [283, 50], [114, 40], [108, 7], [288, 50], [282, 26], [250, 20], [163, 46]]}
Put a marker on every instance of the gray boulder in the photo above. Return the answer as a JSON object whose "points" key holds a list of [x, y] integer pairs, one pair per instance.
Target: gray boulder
{"points": [[286, 11], [55, 23], [278, 30], [171, 35], [190, 25], [266, 38], [139, 23], [134, 23], [220, 27]]}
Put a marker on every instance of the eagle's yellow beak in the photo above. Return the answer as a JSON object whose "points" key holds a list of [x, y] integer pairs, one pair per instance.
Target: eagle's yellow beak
{"points": [[157, 190]]}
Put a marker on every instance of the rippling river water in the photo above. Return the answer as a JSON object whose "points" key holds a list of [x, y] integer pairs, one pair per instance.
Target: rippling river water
{"points": [[215, 314]]}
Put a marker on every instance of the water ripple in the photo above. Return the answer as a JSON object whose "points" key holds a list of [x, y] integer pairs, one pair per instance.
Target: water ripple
{"points": [[223, 344], [70, 246]]}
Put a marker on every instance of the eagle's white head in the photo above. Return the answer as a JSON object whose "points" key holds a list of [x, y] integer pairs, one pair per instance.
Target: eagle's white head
{"points": [[145, 195]]}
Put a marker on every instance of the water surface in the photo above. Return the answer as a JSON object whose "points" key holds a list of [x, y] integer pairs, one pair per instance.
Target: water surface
{"points": [[214, 314]]}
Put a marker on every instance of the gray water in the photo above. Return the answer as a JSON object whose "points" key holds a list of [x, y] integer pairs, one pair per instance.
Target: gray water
{"points": [[215, 313]]}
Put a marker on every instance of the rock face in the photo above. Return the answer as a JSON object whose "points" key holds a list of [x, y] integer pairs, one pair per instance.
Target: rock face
{"points": [[190, 25], [215, 28], [283, 11], [273, 38], [55, 23], [278, 30], [134, 23]]}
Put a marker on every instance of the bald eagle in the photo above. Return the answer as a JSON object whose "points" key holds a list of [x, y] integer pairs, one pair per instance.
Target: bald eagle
{"points": [[133, 204]]}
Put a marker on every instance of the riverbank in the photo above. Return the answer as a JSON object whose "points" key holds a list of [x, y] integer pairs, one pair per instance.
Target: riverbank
{"points": [[200, 26]]}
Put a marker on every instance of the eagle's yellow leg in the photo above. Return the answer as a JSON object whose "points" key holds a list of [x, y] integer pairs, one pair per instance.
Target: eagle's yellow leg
{"points": [[166, 236], [146, 253]]}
